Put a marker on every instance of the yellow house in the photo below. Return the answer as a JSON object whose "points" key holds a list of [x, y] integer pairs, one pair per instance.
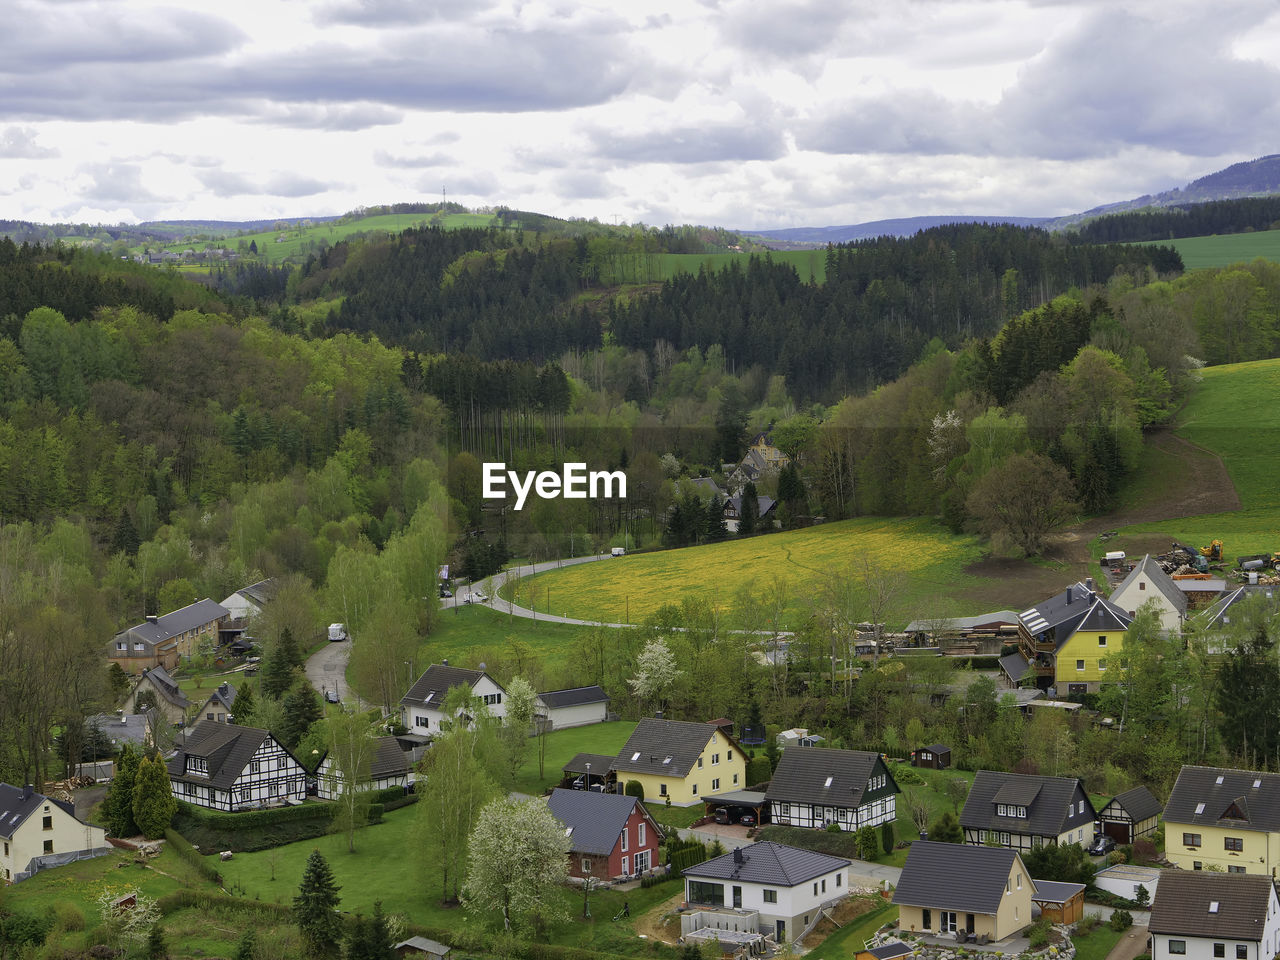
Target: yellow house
{"points": [[37, 831], [1224, 819], [949, 887], [1066, 640], [681, 761]]}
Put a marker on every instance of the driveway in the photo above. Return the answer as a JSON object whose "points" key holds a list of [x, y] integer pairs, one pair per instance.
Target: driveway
{"points": [[327, 670]]}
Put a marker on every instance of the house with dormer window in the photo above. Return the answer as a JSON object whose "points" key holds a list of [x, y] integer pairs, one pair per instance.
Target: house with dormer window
{"points": [[1022, 812], [680, 760], [1224, 819], [422, 708], [815, 788], [225, 767], [1064, 642], [1203, 916]]}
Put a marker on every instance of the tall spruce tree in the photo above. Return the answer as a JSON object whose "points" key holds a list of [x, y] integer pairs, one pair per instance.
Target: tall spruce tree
{"points": [[153, 802], [315, 908], [302, 708], [278, 671], [749, 510], [117, 807]]}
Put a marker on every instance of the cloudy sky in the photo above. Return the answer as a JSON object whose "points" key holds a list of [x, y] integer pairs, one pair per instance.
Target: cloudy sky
{"points": [[741, 113]]}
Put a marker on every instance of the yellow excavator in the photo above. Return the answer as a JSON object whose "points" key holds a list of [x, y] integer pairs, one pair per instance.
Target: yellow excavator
{"points": [[1213, 551]]}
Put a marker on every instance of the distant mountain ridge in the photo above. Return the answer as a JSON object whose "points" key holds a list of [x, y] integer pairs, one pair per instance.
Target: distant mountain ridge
{"points": [[899, 227]]}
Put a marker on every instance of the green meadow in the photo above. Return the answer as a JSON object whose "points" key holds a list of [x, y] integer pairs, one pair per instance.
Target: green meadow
{"points": [[1219, 251]]}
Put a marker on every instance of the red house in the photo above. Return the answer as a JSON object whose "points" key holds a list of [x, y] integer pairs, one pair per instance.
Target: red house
{"points": [[610, 835]]}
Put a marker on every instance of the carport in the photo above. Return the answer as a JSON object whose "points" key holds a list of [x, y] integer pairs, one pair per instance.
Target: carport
{"points": [[743, 800], [1059, 902]]}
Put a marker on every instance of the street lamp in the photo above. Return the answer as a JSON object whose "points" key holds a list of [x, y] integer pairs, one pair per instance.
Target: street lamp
{"points": [[588, 775]]}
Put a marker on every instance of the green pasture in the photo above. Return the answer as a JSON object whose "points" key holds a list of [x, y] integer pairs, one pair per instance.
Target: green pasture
{"points": [[923, 559], [810, 264], [563, 745], [468, 635], [1220, 251]]}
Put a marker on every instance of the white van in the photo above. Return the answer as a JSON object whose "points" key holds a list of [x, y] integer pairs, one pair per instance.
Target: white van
{"points": [[337, 632]]}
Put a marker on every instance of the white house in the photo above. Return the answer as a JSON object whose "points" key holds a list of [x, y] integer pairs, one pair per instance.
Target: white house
{"points": [[422, 708], [226, 767], [247, 602], [37, 831], [388, 767], [766, 888], [1148, 582], [577, 707], [1200, 915]]}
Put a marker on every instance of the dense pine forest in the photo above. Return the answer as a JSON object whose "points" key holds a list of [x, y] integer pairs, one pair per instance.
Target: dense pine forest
{"points": [[1184, 220]]}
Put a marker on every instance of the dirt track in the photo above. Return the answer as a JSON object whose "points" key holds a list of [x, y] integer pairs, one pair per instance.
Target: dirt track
{"points": [[1195, 483]]}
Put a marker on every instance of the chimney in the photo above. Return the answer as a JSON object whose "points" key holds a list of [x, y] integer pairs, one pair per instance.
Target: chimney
{"points": [[737, 856], [445, 661], [1089, 585], [26, 792]]}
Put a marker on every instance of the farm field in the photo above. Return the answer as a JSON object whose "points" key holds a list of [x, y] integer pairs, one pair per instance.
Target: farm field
{"points": [[469, 635], [1219, 251], [1227, 415], [810, 264], [927, 560]]}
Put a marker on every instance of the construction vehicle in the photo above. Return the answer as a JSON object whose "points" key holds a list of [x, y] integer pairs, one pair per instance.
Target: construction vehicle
{"points": [[1213, 552], [1191, 557], [1257, 561]]}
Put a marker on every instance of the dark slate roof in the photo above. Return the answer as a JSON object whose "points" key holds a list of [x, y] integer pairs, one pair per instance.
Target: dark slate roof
{"points": [[599, 762], [660, 747], [1047, 810], [1015, 665], [1199, 785], [388, 759], [225, 694], [594, 819], [802, 776], [132, 730], [767, 862], [1076, 608], [1055, 891], [434, 685], [575, 697], [1148, 569], [1183, 899], [953, 876], [1140, 803], [225, 746], [889, 951], [261, 593], [938, 748], [15, 808], [190, 617], [763, 504], [166, 686]]}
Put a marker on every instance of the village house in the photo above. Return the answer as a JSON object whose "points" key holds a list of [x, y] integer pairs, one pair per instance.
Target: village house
{"points": [[155, 685], [1131, 815], [765, 888], [948, 887], [1064, 641], [761, 458], [816, 788], [1148, 583], [577, 707], [37, 831], [168, 640], [610, 835], [1211, 916], [1223, 818], [247, 602], [226, 767], [218, 707], [1021, 811], [388, 767], [680, 760], [422, 708]]}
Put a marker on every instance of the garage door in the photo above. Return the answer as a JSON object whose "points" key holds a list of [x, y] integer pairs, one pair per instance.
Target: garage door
{"points": [[1119, 832]]}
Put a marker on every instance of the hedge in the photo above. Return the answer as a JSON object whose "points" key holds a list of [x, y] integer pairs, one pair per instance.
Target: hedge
{"points": [[202, 900], [261, 829], [842, 844], [249, 819], [483, 943], [178, 843]]}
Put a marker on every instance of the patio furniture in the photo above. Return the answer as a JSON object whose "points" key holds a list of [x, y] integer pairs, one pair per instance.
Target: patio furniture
{"points": [[982, 939]]}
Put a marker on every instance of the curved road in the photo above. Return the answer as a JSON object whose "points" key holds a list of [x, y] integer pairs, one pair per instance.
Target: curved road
{"points": [[327, 670]]}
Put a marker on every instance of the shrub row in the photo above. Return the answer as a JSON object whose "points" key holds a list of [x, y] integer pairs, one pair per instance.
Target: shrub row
{"points": [[179, 845], [251, 819], [399, 802], [837, 844], [652, 880], [202, 900], [483, 944]]}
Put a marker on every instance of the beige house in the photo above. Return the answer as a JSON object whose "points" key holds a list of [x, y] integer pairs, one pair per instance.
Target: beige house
{"points": [[38, 832], [1148, 583], [169, 640], [169, 698], [218, 707], [950, 887]]}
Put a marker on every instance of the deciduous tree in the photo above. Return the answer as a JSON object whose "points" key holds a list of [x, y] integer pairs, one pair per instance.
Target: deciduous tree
{"points": [[518, 861]]}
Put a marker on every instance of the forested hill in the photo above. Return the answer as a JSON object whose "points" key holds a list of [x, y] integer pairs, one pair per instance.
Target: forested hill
{"points": [[1185, 220], [474, 291]]}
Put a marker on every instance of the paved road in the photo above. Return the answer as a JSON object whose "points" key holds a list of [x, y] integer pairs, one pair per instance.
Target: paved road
{"points": [[327, 670], [496, 582]]}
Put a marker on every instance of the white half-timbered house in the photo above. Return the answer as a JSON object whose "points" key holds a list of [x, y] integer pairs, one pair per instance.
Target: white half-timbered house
{"points": [[225, 767], [388, 767], [815, 787]]}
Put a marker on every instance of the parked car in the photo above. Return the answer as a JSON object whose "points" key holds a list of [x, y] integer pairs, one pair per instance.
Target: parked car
{"points": [[747, 819], [478, 596], [331, 696], [721, 815], [445, 594], [1102, 845]]}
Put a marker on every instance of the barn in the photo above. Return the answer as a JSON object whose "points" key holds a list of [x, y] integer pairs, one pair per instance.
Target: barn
{"points": [[1131, 815]]}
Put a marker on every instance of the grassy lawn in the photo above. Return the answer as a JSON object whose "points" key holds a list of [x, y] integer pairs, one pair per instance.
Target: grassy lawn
{"points": [[846, 942], [1097, 944], [934, 792], [564, 745], [388, 867], [929, 559], [679, 817], [1219, 251], [470, 635], [809, 264]]}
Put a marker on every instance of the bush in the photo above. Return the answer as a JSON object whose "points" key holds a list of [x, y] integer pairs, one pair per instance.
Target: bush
{"points": [[67, 916], [759, 771], [178, 844], [1038, 936], [833, 827], [1142, 896], [1121, 920], [634, 788], [1087, 924]]}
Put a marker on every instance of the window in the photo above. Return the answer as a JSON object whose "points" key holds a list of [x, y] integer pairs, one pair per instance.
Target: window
{"points": [[1235, 868], [699, 763], [839, 880], [824, 884], [715, 759], [735, 779], [422, 721], [1219, 949], [1081, 806], [48, 846], [255, 766], [728, 757], [1007, 887], [1102, 663], [492, 699], [1233, 843], [1197, 865], [1019, 881], [1102, 641], [6, 848], [1079, 664], [1142, 584], [701, 891], [208, 716], [624, 844], [715, 784], [662, 789], [1022, 812], [770, 896], [1242, 952], [1178, 947], [586, 865], [640, 834], [695, 789], [1000, 809], [121, 645], [815, 888], [1199, 808], [48, 823], [198, 765], [625, 871]]}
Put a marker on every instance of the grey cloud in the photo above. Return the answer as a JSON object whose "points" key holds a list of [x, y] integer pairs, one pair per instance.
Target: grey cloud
{"points": [[384, 159], [225, 183], [481, 184], [745, 140], [317, 117], [383, 13], [20, 143], [38, 37], [116, 183], [583, 185], [907, 122], [782, 30]]}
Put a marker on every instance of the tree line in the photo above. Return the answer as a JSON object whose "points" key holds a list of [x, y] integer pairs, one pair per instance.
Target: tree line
{"points": [[1182, 220]]}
